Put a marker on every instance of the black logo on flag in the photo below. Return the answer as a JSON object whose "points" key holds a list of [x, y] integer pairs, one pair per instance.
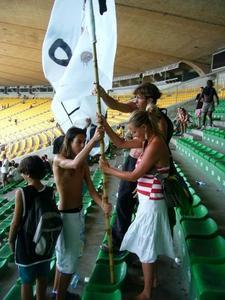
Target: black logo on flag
{"points": [[59, 43]]}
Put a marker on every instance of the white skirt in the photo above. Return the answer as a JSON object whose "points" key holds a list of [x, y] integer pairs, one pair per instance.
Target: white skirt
{"points": [[149, 235]]}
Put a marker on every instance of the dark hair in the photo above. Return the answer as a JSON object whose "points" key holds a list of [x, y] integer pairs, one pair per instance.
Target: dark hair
{"points": [[57, 144], [66, 150], [210, 83], [140, 117], [32, 166], [148, 90]]}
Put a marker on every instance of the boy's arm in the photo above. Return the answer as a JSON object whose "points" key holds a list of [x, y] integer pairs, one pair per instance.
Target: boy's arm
{"points": [[80, 158], [16, 221], [93, 193]]}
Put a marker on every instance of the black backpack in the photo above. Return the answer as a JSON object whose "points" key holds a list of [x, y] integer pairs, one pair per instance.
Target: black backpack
{"points": [[169, 124], [43, 224]]}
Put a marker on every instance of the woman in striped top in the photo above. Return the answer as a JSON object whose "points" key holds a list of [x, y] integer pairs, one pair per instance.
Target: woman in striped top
{"points": [[149, 235]]}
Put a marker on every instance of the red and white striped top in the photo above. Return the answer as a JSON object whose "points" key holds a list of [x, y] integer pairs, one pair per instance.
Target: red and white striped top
{"points": [[149, 185]]}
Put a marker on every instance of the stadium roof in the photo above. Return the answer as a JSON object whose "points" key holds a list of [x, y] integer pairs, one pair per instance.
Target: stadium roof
{"points": [[151, 34]]}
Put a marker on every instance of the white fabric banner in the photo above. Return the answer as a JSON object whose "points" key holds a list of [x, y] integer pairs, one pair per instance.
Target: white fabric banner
{"points": [[61, 38], [68, 58]]}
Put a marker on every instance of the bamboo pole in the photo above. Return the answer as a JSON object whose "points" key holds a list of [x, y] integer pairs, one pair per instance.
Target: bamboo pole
{"points": [[102, 149]]}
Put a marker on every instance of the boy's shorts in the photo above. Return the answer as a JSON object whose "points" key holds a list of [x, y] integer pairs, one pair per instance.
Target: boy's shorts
{"points": [[30, 273], [68, 243], [208, 107]]}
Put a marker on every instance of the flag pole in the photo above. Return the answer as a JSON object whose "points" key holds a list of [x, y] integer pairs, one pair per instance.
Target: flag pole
{"points": [[102, 147]]}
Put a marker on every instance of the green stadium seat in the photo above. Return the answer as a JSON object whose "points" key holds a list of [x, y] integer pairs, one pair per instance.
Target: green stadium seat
{"points": [[95, 295], [100, 277], [206, 250], [192, 191], [6, 253], [199, 212], [103, 257], [14, 293], [5, 225], [206, 228], [196, 200], [209, 281], [221, 165], [3, 201], [3, 266]]}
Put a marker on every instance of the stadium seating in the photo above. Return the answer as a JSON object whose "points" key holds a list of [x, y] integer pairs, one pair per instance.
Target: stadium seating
{"points": [[208, 159], [207, 228], [202, 251], [26, 126], [96, 295], [100, 277], [209, 281]]}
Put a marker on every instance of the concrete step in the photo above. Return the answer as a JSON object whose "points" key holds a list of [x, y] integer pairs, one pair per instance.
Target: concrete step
{"points": [[219, 124], [197, 133]]}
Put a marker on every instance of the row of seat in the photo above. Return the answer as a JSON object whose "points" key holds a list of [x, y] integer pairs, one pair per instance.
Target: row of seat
{"points": [[27, 126], [115, 117], [9, 187], [214, 136], [31, 143], [209, 160], [202, 250]]}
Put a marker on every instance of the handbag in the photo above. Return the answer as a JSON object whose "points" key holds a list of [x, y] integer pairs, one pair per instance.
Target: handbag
{"points": [[175, 190]]}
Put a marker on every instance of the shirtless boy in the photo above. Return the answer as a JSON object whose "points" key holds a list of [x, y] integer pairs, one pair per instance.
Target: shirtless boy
{"points": [[70, 172]]}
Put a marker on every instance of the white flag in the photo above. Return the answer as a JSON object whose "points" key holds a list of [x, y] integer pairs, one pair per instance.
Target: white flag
{"points": [[68, 58], [62, 35]]}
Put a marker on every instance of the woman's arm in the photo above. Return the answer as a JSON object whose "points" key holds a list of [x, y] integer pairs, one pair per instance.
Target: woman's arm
{"points": [[114, 104], [16, 221], [106, 207], [150, 158]]}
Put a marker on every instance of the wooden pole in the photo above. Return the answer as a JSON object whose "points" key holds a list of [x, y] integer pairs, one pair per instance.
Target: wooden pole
{"points": [[102, 149]]}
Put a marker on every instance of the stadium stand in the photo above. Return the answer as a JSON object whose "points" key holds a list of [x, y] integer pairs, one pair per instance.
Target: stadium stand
{"points": [[199, 239], [26, 126]]}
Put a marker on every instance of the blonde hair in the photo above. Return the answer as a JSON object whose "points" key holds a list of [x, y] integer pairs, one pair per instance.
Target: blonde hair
{"points": [[153, 109], [139, 118]]}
